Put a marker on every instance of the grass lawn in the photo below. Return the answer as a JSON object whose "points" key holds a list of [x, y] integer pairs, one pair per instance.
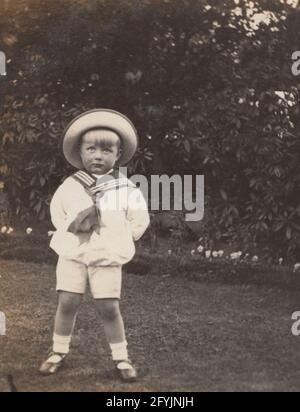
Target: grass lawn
{"points": [[184, 334]]}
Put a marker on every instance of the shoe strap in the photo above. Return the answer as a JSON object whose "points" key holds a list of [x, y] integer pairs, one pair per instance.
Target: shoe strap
{"points": [[55, 357], [124, 364]]}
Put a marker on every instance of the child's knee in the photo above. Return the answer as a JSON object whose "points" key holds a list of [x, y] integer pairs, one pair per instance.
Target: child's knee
{"points": [[69, 302], [109, 309]]}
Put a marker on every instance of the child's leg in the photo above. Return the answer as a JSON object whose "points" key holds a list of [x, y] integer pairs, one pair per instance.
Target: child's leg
{"points": [[114, 330], [71, 283], [68, 304], [72, 276], [105, 285], [109, 310]]}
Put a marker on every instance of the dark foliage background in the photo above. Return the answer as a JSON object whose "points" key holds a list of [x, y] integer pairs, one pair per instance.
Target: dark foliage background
{"points": [[194, 76]]}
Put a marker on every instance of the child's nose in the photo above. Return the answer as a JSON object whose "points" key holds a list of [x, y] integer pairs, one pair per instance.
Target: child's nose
{"points": [[98, 154]]}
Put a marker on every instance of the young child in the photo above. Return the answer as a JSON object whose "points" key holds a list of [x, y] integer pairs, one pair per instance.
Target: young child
{"points": [[98, 214]]}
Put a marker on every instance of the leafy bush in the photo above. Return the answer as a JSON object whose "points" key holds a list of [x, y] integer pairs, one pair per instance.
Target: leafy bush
{"points": [[199, 84]]}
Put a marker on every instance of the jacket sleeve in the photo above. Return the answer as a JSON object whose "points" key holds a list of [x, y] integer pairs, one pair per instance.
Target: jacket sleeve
{"points": [[137, 214], [68, 201], [58, 215]]}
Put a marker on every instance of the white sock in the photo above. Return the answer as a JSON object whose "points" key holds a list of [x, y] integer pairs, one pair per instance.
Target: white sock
{"points": [[61, 344], [119, 350]]}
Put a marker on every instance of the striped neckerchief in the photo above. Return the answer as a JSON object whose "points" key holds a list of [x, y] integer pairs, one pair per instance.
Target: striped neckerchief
{"points": [[113, 179]]}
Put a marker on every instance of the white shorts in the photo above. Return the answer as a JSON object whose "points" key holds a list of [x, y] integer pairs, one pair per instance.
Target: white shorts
{"points": [[72, 276]]}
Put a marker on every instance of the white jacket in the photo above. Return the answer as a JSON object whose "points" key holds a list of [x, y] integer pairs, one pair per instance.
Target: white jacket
{"points": [[123, 219]]}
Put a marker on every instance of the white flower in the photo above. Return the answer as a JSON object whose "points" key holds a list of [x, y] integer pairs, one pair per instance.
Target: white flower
{"points": [[10, 229], [234, 255], [28, 230], [200, 249], [255, 258], [50, 233], [193, 252], [220, 253], [215, 253], [169, 252], [280, 260], [296, 267], [3, 229], [207, 253]]}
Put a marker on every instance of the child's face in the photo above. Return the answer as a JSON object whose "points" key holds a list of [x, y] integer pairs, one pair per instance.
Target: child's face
{"points": [[99, 150]]}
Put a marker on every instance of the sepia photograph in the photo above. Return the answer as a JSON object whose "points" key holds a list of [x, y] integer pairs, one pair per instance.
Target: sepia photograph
{"points": [[149, 198]]}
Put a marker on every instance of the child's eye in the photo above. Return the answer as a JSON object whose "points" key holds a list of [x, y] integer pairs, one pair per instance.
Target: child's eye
{"points": [[91, 149]]}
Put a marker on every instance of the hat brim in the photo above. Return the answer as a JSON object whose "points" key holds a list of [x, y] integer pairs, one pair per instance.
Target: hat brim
{"points": [[104, 119]]}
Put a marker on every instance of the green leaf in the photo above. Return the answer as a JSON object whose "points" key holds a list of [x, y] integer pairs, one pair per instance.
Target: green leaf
{"points": [[187, 146], [181, 125], [288, 232], [224, 195], [42, 181]]}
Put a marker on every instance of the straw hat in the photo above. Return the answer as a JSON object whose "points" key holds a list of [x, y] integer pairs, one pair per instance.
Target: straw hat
{"points": [[99, 119]]}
